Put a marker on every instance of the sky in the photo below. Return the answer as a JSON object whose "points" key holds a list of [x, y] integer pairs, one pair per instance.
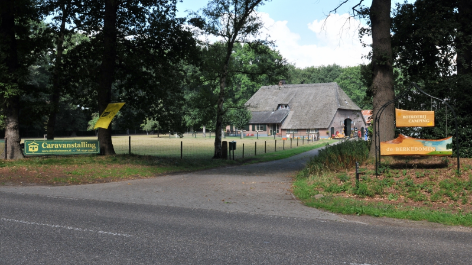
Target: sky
{"points": [[304, 35]]}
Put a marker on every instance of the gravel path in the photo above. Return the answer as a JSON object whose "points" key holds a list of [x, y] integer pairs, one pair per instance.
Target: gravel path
{"points": [[262, 188]]}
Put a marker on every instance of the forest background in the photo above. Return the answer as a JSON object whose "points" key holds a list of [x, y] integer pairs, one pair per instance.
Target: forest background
{"points": [[66, 53]]}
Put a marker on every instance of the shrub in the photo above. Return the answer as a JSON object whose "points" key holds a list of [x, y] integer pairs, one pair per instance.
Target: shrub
{"points": [[339, 156]]}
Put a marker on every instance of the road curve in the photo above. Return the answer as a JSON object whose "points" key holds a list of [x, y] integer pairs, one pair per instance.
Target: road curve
{"points": [[234, 215]]}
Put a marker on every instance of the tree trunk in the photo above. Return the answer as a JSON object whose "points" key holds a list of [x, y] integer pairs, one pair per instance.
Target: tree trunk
{"points": [[219, 104], [11, 106], [107, 72], [56, 83], [382, 85], [12, 129], [219, 114]]}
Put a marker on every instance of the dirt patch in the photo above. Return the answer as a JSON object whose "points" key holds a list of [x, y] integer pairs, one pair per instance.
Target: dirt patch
{"points": [[67, 174], [431, 182]]}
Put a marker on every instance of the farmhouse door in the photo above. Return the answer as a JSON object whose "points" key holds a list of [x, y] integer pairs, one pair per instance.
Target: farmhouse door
{"points": [[347, 127]]}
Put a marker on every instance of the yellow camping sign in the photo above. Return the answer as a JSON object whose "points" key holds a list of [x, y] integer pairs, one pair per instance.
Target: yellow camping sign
{"points": [[106, 117], [410, 118]]}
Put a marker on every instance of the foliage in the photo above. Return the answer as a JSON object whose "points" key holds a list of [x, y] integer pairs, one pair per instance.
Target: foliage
{"points": [[249, 70], [93, 121], [238, 117], [341, 155], [309, 75], [350, 80], [235, 22], [431, 42]]}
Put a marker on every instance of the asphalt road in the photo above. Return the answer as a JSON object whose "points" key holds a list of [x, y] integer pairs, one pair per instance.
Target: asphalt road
{"points": [[46, 230], [240, 215]]}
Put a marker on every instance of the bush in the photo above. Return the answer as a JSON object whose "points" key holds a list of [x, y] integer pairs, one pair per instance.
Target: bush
{"points": [[339, 156]]}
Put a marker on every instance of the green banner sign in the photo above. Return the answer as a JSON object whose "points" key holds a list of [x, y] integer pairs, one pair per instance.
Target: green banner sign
{"points": [[68, 147]]}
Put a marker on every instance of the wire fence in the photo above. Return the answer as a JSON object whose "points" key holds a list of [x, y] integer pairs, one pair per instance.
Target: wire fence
{"points": [[191, 147], [195, 146], [2, 149]]}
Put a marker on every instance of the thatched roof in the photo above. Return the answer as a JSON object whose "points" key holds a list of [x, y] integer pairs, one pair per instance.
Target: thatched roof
{"points": [[311, 105], [262, 117]]}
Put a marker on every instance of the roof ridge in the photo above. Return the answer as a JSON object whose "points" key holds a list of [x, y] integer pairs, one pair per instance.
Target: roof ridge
{"points": [[299, 85]]}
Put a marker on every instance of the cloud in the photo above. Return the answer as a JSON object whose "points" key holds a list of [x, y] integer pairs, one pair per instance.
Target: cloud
{"points": [[337, 41]]}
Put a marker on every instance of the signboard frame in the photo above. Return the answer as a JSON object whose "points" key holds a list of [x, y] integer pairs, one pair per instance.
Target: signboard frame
{"points": [[380, 111], [61, 147]]}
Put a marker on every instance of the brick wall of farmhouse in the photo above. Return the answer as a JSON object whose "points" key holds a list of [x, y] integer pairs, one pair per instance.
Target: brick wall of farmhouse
{"points": [[338, 121]]}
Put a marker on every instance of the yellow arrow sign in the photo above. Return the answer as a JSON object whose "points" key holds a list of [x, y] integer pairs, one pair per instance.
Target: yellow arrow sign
{"points": [[106, 117]]}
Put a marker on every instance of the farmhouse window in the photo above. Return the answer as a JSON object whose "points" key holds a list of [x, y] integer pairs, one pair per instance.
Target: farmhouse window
{"points": [[292, 131], [259, 127], [311, 130]]}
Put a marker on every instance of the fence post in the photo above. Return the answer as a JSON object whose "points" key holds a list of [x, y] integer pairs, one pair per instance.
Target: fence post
{"points": [[257, 133], [243, 150], [297, 142], [291, 142], [255, 148], [283, 145], [357, 175], [6, 148], [181, 149], [275, 145], [265, 147], [129, 144], [303, 140]]}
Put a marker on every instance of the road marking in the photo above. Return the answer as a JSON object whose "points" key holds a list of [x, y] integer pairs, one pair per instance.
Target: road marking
{"points": [[64, 227]]}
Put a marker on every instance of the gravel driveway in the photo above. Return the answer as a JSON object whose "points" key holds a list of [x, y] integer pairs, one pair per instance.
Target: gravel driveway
{"points": [[262, 188]]}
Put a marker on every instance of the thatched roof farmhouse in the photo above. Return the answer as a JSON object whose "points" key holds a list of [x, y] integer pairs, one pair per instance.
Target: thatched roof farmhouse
{"points": [[310, 110]]}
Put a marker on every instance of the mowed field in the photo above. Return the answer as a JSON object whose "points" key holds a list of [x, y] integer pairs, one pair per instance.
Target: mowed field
{"points": [[195, 147]]}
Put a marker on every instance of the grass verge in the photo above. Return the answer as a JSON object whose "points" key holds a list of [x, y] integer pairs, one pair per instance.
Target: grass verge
{"points": [[414, 188], [344, 205]]}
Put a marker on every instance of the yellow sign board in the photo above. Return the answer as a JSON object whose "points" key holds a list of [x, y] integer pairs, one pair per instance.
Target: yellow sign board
{"points": [[410, 118], [404, 145], [106, 117]]}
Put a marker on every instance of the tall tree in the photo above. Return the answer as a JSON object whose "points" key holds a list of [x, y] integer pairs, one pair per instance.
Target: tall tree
{"points": [[140, 45], [10, 78], [107, 71], [382, 69], [233, 21], [17, 52], [381, 85], [64, 11]]}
